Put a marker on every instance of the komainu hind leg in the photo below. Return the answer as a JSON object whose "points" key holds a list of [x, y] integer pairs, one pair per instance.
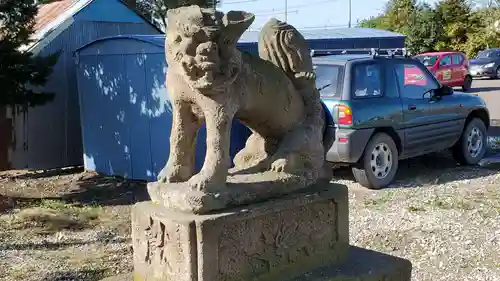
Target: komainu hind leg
{"points": [[255, 156]]}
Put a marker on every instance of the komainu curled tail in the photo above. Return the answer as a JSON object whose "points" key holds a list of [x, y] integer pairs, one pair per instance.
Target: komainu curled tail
{"points": [[282, 44]]}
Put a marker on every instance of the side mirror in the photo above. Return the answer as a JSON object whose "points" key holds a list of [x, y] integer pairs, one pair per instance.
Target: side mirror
{"points": [[443, 91]]}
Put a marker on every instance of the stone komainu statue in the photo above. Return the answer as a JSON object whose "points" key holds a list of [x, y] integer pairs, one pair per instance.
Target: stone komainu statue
{"points": [[210, 81]]}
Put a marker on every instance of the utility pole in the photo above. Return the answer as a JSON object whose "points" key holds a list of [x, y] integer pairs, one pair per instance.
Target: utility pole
{"points": [[350, 13], [286, 10]]}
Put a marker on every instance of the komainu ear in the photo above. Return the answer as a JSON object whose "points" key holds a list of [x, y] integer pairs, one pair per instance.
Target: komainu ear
{"points": [[235, 24]]}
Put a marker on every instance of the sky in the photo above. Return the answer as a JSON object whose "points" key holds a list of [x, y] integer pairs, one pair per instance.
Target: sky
{"points": [[308, 13]]}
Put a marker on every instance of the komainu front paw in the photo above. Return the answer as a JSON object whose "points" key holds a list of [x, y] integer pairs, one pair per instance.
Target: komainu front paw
{"points": [[201, 182], [172, 173]]}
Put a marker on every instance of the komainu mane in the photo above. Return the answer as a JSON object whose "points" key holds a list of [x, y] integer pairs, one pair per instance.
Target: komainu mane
{"points": [[210, 81]]}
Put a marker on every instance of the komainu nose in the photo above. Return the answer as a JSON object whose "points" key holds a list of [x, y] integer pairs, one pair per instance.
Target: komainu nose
{"points": [[206, 48]]}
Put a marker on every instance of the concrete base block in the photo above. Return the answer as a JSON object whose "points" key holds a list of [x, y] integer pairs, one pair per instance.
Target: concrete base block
{"points": [[275, 240]]}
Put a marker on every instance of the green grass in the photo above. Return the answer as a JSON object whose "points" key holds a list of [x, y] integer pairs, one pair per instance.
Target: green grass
{"points": [[415, 209], [53, 215], [381, 200]]}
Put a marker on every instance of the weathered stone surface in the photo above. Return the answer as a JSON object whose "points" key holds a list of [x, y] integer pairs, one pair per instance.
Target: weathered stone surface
{"points": [[210, 81], [273, 240], [239, 190], [363, 265]]}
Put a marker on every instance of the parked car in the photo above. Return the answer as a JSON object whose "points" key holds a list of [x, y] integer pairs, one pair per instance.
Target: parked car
{"points": [[450, 68], [386, 109], [486, 64]]}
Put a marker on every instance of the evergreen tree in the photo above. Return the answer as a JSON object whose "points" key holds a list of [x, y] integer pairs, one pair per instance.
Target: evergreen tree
{"points": [[21, 72], [454, 16]]}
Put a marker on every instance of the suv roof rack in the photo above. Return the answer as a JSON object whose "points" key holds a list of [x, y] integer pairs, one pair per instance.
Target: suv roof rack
{"points": [[375, 52]]}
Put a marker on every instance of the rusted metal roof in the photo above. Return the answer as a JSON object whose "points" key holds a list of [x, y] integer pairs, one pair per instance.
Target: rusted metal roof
{"points": [[49, 12]]}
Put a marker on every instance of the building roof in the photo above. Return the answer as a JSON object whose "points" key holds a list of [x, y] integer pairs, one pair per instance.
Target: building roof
{"points": [[53, 15], [252, 36], [330, 33], [49, 12]]}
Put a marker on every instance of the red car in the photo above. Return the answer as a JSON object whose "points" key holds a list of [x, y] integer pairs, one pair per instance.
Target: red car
{"points": [[450, 68]]}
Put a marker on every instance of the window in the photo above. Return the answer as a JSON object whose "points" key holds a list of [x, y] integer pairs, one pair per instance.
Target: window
{"points": [[427, 60], [367, 80], [329, 80], [413, 81], [457, 59], [488, 54], [446, 60]]}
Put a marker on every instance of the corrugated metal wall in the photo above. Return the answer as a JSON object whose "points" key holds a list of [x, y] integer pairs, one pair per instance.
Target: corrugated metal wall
{"points": [[50, 136], [125, 112]]}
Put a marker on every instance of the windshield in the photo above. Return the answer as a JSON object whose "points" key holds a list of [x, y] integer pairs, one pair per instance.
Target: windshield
{"points": [[487, 54], [329, 80], [427, 60]]}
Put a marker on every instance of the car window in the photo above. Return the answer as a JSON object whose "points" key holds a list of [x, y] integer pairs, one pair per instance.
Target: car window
{"points": [[427, 60], [413, 81], [457, 59], [446, 60], [367, 80], [329, 80], [488, 54]]}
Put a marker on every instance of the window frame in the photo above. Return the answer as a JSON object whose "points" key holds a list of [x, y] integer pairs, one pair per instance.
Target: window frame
{"points": [[382, 78], [340, 79], [422, 68], [460, 59]]}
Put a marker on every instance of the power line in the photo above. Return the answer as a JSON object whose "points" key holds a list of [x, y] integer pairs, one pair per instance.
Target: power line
{"points": [[238, 2], [295, 6], [276, 13]]}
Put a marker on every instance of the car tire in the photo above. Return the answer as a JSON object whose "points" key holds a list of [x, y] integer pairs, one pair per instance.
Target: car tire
{"points": [[497, 73], [467, 84], [472, 145], [365, 172]]}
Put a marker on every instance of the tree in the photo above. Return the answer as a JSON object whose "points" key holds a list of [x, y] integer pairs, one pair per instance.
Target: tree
{"points": [[455, 17], [156, 10], [484, 31], [21, 72], [425, 31]]}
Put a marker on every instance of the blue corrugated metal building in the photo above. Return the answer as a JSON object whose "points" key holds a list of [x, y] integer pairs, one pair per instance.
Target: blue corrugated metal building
{"points": [[50, 136], [336, 38], [125, 112]]}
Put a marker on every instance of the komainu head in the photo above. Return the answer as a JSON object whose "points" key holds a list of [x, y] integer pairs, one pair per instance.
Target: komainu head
{"points": [[201, 45]]}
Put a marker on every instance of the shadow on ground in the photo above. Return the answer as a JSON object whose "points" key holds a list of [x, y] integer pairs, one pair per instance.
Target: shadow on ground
{"points": [[87, 275], [431, 169], [48, 173], [94, 190], [484, 89], [50, 245], [494, 130]]}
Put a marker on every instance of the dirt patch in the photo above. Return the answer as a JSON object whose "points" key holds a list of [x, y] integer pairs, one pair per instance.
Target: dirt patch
{"points": [[71, 225], [65, 225]]}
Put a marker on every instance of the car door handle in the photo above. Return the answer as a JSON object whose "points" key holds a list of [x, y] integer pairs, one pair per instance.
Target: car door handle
{"points": [[412, 107]]}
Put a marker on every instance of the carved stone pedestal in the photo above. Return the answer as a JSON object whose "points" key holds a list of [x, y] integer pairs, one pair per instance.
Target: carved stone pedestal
{"points": [[274, 240]]}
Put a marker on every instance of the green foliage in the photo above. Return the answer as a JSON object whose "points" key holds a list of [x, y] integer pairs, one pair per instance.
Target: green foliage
{"points": [[448, 25], [21, 72]]}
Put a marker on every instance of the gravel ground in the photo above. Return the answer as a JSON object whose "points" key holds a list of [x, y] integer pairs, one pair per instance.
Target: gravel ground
{"points": [[75, 226]]}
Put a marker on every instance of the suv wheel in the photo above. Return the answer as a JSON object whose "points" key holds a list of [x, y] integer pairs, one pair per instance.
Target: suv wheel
{"points": [[471, 147], [467, 84], [379, 164]]}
